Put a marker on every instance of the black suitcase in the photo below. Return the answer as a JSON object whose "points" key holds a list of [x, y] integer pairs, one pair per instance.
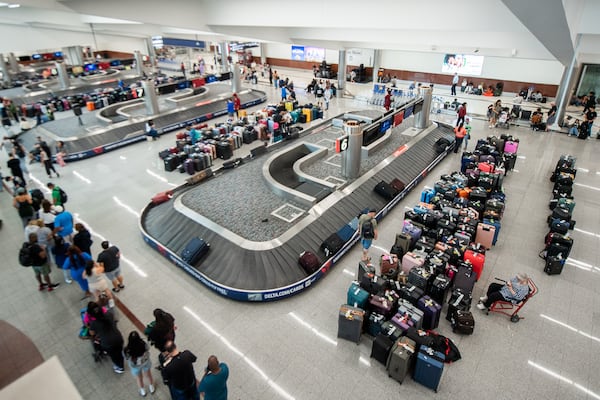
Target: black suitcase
{"points": [[381, 348], [224, 150], [309, 262], [458, 301], [411, 293], [232, 164], [554, 265], [194, 250], [248, 136], [465, 279], [171, 163], [332, 245], [385, 190], [525, 115], [439, 288]]}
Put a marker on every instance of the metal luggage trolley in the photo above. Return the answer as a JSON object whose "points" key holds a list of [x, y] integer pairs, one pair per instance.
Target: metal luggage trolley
{"points": [[510, 309]]}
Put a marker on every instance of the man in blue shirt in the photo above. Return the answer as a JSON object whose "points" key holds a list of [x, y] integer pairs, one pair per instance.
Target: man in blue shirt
{"points": [[513, 291], [63, 224], [213, 385]]}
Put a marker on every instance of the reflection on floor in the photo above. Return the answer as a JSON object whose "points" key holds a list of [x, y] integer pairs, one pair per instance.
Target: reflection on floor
{"points": [[289, 349]]}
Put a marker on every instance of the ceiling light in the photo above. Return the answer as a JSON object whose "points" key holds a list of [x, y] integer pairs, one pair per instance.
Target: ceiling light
{"points": [[3, 4], [14, 5]]}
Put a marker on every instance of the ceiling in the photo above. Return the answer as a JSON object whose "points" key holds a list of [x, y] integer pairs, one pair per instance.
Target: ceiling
{"points": [[533, 29]]}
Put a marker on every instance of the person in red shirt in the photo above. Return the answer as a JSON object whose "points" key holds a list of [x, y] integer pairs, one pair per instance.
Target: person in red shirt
{"points": [[462, 112], [459, 133], [236, 104], [387, 101]]}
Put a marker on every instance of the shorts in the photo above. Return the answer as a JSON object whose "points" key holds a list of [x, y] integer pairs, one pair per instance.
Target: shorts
{"points": [[112, 275], [137, 370], [41, 270], [366, 243]]}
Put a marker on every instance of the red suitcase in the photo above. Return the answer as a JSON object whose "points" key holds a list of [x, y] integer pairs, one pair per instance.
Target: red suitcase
{"points": [[485, 235], [162, 197], [309, 262], [477, 260]]}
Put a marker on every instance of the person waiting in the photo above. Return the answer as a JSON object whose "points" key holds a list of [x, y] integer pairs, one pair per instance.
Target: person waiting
{"points": [[536, 120], [151, 132], [513, 291], [574, 129], [459, 133]]}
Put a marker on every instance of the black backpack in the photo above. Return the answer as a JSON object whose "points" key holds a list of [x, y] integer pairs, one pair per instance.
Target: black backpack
{"points": [[63, 196], [25, 257], [367, 230]]}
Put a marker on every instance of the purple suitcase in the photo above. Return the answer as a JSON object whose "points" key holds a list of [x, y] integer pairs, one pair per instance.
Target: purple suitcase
{"points": [[380, 305], [402, 321], [431, 312], [412, 230]]}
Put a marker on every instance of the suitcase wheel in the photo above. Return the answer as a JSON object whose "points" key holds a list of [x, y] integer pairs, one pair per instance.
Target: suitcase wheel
{"points": [[515, 318]]}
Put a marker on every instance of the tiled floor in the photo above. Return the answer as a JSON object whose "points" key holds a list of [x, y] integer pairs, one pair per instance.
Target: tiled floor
{"points": [[289, 349]]}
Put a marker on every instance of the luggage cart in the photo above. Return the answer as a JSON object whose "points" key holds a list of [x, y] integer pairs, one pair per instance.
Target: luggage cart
{"points": [[510, 309]]}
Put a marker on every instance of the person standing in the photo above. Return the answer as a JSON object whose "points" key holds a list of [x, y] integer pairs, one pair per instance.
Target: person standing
{"points": [[57, 195], [104, 327], [138, 358], [213, 385], [40, 265], [24, 205], [21, 154], [468, 136], [183, 70], [454, 83], [459, 133], [590, 116], [63, 223], [283, 92], [327, 96], [47, 161], [83, 238], [14, 165], [161, 330], [275, 79], [462, 113], [178, 372], [270, 76], [76, 261], [367, 226], [94, 274], [387, 100], [109, 257], [237, 104]]}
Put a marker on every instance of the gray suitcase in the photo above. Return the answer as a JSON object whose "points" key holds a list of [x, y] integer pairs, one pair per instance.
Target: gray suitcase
{"points": [[350, 323], [403, 240], [400, 358], [364, 268], [416, 315]]}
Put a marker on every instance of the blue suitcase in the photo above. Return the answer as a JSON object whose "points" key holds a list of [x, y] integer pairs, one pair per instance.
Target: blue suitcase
{"points": [[357, 296], [429, 368], [194, 250], [346, 232], [427, 195], [496, 224]]}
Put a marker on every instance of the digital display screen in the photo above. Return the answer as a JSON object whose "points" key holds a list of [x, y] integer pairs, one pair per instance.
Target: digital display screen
{"points": [[463, 64], [298, 53]]}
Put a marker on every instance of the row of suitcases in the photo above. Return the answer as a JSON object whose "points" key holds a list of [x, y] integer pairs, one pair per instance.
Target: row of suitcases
{"points": [[558, 243]]}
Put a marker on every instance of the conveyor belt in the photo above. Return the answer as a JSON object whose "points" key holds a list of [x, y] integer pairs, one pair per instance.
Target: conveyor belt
{"points": [[236, 272], [83, 147]]}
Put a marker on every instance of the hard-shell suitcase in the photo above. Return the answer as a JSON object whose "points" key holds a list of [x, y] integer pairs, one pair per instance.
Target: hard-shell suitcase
{"points": [[194, 250], [485, 235], [350, 323], [388, 263], [357, 296], [372, 283], [464, 279], [427, 194], [224, 150], [496, 224], [385, 190], [439, 288], [171, 162], [332, 245], [554, 265], [509, 161], [391, 330], [189, 166], [411, 293], [403, 241], [407, 308], [414, 231], [374, 324], [477, 260], [400, 359], [402, 321], [419, 277], [380, 305], [411, 260], [162, 197], [381, 348], [364, 268], [429, 368], [462, 322], [309, 262], [431, 312]]}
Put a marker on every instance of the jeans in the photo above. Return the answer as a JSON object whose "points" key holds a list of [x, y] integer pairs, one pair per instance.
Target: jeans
{"points": [[190, 393], [458, 144]]}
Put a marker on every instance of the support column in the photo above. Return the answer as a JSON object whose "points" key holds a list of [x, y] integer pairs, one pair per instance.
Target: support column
{"points": [[4, 69], [422, 117], [263, 56], [236, 83], [224, 54], [342, 71], [63, 75], [78, 54], [150, 99], [139, 63], [151, 52], [565, 87], [376, 63], [14, 64], [351, 157]]}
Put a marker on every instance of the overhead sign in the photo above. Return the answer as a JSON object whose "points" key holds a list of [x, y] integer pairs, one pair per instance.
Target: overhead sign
{"points": [[237, 46], [159, 41]]}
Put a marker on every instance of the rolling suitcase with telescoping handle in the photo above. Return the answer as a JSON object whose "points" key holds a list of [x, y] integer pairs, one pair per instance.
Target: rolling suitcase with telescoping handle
{"points": [[429, 368], [400, 359], [350, 323]]}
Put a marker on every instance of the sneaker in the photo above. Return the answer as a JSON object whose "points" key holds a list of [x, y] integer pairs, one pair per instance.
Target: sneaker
{"points": [[53, 286], [151, 389], [118, 370], [57, 175], [481, 306], [482, 299], [142, 392], [43, 286], [116, 290], [121, 286], [68, 281]]}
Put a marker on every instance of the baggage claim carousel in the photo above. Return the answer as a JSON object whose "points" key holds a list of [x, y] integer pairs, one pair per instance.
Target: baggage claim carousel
{"points": [[256, 234]]}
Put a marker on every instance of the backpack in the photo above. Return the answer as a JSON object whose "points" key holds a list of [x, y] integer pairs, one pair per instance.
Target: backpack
{"points": [[25, 257], [367, 230], [63, 196]]}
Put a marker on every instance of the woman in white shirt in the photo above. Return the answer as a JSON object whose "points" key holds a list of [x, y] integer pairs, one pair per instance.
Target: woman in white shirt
{"points": [[47, 214]]}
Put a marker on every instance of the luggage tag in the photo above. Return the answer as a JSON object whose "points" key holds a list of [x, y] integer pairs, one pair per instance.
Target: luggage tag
{"points": [[458, 300], [407, 347]]}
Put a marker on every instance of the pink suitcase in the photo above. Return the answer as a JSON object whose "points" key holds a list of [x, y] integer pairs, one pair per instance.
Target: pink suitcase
{"points": [[485, 167], [511, 147], [485, 235], [410, 261]]}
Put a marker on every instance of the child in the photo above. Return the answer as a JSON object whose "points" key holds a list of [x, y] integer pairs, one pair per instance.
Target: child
{"points": [[468, 128]]}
